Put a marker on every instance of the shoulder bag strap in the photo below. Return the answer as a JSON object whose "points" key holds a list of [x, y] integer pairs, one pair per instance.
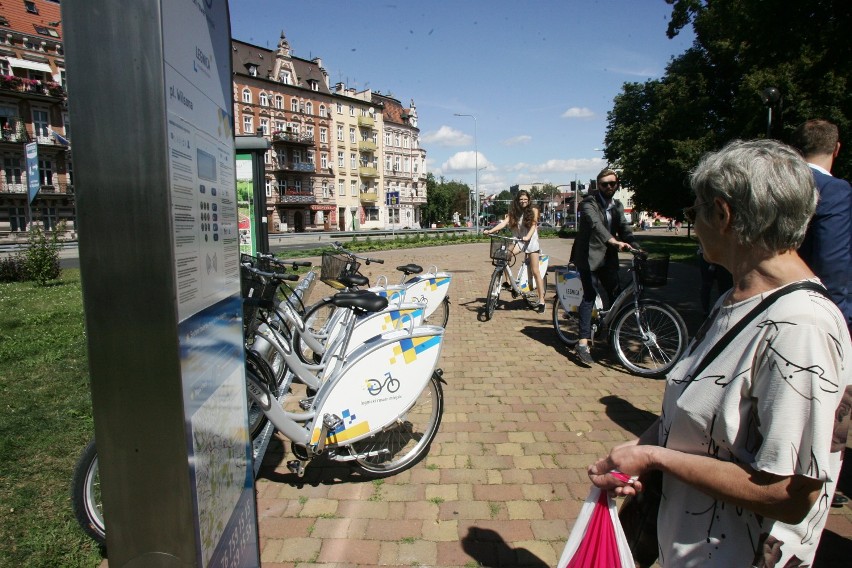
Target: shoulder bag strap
{"points": [[749, 317]]}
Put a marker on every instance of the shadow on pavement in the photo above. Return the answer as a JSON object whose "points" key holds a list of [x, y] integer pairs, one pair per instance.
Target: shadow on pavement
{"points": [[834, 551], [489, 550], [622, 412]]}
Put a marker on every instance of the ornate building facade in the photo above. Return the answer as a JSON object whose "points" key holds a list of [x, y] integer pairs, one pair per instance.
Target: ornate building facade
{"points": [[33, 110]]}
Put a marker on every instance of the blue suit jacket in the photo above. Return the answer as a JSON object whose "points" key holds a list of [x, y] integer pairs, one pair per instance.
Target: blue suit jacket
{"points": [[827, 247]]}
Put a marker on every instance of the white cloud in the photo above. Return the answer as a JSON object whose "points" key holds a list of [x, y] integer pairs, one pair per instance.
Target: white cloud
{"points": [[578, 112], [448, 136], [522, 139], [465, 161], [571, 165]]}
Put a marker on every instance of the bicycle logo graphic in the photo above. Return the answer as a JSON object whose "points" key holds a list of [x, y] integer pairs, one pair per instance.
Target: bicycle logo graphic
{"points": [[375, 386]]}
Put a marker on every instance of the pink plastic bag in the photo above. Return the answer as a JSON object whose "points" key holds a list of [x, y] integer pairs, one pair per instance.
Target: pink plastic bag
{"points": [[597, 540]]}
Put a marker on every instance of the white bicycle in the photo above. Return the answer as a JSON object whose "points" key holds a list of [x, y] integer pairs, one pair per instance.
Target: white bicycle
{"points": [[504, 251]]}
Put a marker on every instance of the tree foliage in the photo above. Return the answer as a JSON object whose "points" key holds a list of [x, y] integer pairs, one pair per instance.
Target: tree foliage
{"points": [[711, 93], [443, 198]]}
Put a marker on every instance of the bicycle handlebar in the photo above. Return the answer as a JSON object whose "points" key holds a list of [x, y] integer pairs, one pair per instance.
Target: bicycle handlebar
{"points": [[270, 275], [339, 248], [294, 263]]}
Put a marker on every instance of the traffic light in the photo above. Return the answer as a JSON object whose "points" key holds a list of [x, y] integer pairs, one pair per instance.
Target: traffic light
{"points": [[593, 185], [573, 186]]}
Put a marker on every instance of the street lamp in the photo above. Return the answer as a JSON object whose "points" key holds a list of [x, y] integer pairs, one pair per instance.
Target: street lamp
{"points": [[476, 166], [770, 97]]}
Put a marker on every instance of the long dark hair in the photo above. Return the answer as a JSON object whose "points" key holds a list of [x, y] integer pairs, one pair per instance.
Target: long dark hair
{"points": [[520, 215]]}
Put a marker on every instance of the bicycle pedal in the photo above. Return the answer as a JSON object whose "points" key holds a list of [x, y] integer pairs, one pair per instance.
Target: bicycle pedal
{"points": [[332, 422], [297, 467], [507, 286], [306, 403]]}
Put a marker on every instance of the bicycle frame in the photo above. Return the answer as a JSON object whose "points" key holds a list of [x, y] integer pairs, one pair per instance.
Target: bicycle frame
{"points": [[354, 402], [522, 284], [569, 290]]}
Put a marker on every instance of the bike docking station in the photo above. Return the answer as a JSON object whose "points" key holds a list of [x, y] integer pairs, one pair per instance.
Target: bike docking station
{"points": [[152, 103]]}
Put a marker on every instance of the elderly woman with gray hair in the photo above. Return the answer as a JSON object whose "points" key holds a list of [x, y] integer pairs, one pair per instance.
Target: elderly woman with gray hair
{"points": [[744, 441]]}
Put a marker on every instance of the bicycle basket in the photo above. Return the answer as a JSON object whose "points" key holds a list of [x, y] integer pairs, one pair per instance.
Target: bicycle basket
{"points": [[334, 266], [654, 270], [262, 294], [501, 248]]}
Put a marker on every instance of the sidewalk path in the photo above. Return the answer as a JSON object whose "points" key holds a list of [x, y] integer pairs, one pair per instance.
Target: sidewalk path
{"points": [[505, 477]]}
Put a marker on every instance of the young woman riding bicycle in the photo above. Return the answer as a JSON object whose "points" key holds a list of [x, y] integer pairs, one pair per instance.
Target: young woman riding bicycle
{"points": [[523, 222]]}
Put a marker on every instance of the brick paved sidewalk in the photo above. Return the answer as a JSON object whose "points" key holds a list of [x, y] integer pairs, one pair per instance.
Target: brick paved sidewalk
{"points": [[505, 477]]}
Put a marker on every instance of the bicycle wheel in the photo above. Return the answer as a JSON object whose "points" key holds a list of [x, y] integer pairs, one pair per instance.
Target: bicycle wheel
{"points": [[316, 319], [493, 294], [650, 342], [566, 324], [404, 442], [258, 368], [86, 495], [441, 315]]}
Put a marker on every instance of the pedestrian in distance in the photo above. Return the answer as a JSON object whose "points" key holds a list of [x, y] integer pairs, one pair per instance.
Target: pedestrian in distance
{"points": [[522, 220], [603, 231], [827, 248], [745, 438]]}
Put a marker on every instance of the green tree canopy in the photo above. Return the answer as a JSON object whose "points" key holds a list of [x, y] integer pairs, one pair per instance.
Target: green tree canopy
{"points": [[443, 198], [711, 93]]}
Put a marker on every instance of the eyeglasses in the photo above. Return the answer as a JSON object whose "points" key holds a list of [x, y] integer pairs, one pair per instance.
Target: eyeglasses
{"points": [[690, 212], [608, 184]]}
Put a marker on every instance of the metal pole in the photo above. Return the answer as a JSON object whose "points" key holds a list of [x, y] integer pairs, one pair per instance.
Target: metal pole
{"points": [[476, 168]]}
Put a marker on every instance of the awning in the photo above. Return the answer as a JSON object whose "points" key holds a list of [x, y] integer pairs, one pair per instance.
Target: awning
{"points": [[33, 65], [323, 207]]}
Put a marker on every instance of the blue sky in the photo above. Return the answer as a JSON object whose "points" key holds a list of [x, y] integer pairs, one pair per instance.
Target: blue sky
{"points": [[540, 76]]}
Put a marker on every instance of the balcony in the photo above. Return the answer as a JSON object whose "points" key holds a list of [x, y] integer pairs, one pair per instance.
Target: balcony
{"points": [[368, 172], [52, 188], [13, 129], [366, 146], [295, 195], [366, 121], [284, 137], [369, 197], [302, 167], [15, 84]]}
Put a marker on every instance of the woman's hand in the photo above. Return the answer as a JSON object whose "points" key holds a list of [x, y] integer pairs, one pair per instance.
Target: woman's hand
{"points": [[631, 459]]}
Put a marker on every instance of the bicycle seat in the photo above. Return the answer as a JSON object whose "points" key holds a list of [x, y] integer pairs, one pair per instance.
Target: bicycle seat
{"points": [[410, 269], [360, 300], [350, 280]]}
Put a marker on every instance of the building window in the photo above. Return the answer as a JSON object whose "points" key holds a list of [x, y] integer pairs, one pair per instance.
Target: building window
{"points": [[324, 186], [339, 108], [40, 123], [396, 140], [285, 77], [387, 138], [322, 111], [353, 161], [372, 213], [323, 135], [353, 188], [269, 186], [30, 6], [341, 187], [405, 142], [309, 108], [340, 133], [17, 219], [351, 135], [280, 126], [351, 110], [45, 172], [294, 105], [252, 69], [264, 126], [406, 165], [12, 170], [264, 100], [323, 160], [396, 164], [279, 101], [48, 218], [311, 159], [248, 124], [246, 96], [341, 161], [309, 131]]}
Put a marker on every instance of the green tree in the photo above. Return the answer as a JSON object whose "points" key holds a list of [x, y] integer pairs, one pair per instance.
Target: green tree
{"points": [[711, 94], [443, 198]]}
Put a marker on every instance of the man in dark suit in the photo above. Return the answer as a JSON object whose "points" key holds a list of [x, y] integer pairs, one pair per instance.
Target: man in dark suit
{"points": [[827, 248], [595, 251]]}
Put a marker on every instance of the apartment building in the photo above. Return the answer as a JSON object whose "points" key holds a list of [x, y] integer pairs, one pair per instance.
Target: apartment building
{"points": [[33, 109], [337, 153], [404, 163]]}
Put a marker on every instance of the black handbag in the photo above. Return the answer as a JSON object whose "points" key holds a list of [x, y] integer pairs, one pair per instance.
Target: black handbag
{"points": [[638, 513]]}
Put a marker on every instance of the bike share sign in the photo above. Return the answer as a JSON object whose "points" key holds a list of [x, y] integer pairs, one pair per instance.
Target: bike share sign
{"points": [[207, 280]]}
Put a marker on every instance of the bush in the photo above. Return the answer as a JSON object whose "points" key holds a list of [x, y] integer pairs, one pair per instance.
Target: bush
{"points": [[42, 257], [13, 268]]}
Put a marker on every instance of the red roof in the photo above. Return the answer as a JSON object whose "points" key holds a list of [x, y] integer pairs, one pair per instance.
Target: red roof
{"points": [[20, 20]]}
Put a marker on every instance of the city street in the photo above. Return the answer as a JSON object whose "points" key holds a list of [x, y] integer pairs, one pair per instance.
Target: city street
{"points": [[505, 477]]}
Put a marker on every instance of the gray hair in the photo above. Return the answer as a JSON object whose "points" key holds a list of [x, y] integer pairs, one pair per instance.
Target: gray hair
{"points": [[769, 187]]}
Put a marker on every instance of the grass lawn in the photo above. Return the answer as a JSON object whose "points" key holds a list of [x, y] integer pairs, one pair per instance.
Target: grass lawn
{"points": [[45, 423], [47, 415]]}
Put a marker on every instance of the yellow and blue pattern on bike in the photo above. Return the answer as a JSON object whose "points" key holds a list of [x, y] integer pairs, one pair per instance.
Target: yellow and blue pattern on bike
{"points": [[410, 348], [393, 296], [396, 318], [526, 285]]}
